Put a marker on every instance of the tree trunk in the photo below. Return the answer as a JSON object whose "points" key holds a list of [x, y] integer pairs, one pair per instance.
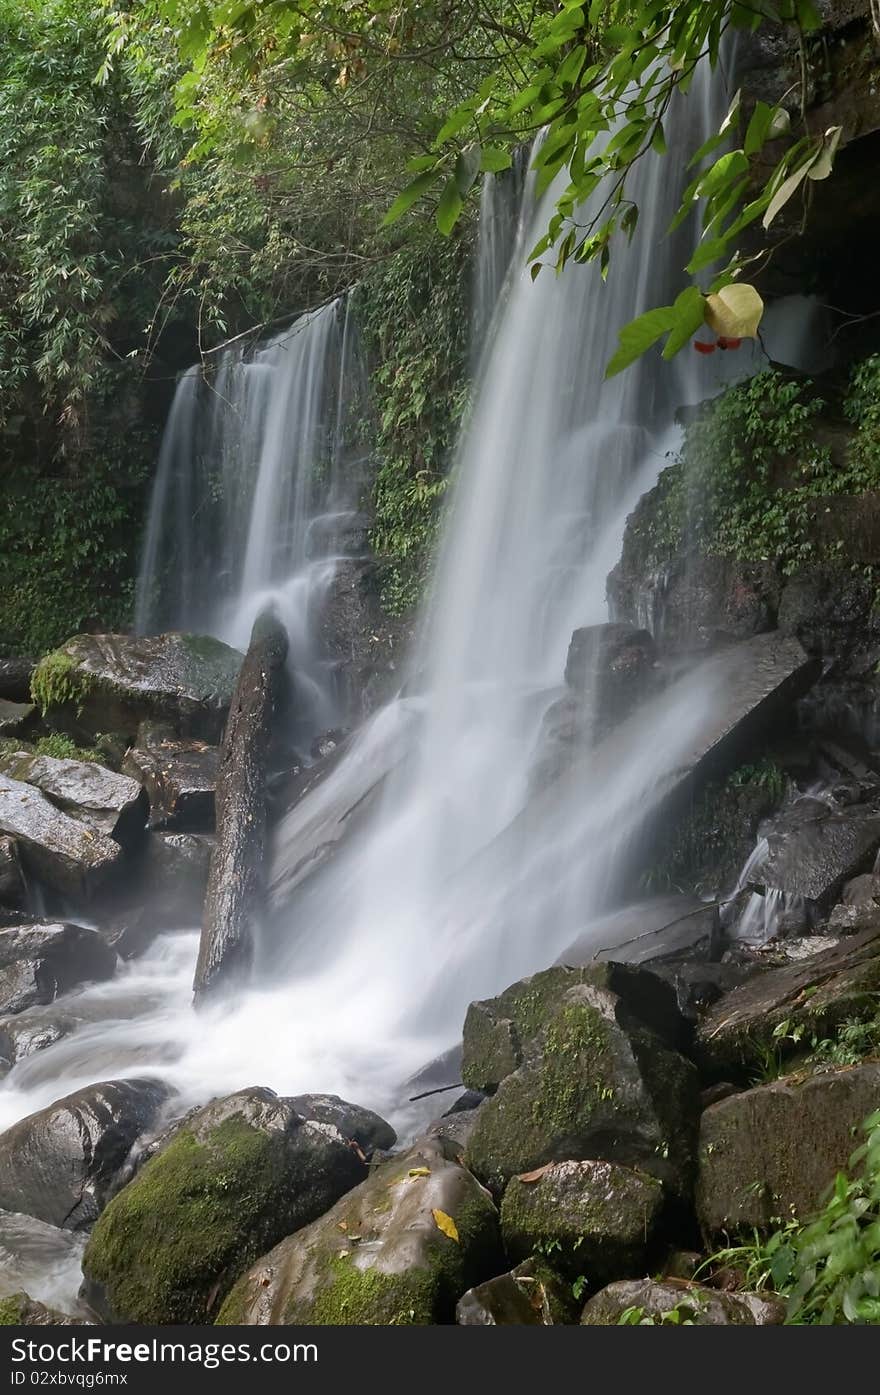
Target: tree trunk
{"points": [[236, 885]]}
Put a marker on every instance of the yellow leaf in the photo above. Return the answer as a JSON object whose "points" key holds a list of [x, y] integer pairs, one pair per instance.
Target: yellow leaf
{"points": [[446, 1224], [735, 312], [420, 1172]]}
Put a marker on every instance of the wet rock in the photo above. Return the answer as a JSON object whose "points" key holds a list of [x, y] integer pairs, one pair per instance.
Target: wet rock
{"points": [[597, 1218], [813, 849], [15, 679], [235, 903], [531, 1295], [54, 848], [815, 995], [12, 887], [16, 718], [773, 1151], [224, 1186], [19, 1310], [180, 778], [664, 927], [610, 669], [368, 1130], [364, 644], [110, 683], [691, 1303], [175, 877], [580, 1075], [383, 1256], [29, 1032], [61, 1163], [499, 1031], [111, 804], [39, 960]]}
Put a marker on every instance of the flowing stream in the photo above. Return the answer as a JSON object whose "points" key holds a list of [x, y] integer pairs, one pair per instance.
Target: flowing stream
{"points": [[454, 880]]}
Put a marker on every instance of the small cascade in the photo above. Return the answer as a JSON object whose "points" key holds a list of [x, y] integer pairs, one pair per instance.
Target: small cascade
{"points": [[756, 918], [256, 492]]}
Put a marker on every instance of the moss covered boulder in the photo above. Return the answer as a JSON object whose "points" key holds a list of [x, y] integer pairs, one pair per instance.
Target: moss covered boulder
{"points": [[814, 995], [531, 1295], [226, 1185], [20, 1310], [597, 1219], [95, 684], [398, 1250], [581, 1074], [774, 1151], [655, 1303]]}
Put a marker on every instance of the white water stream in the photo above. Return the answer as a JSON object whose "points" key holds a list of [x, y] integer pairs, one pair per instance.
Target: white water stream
{"points": [[424, 907]]}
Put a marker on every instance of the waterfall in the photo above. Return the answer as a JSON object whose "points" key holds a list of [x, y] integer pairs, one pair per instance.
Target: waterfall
{"points": [[451, 881], [256, 491]]}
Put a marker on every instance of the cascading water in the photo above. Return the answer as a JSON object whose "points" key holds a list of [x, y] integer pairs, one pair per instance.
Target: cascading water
{"points": [[451, 882], [256, 492]]}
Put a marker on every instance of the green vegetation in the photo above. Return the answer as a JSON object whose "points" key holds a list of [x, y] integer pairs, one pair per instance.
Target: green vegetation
{"points": [[413, 313], [757, 464], [829, 1267], [53, 683], [62, 747]]}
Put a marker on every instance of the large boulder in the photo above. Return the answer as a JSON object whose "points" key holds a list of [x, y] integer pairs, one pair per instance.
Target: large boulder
{"points": [[225, 1185], [41, 959], [111, 683], [15, 679], [609, 670], [531, 1295], [583, 1068], [55, 848], [596, 1218], [25, 1033], [655, 1303], [399, 1250], [111, 804], [813, 996], [369, 1131], [771, 1152], [814, 849], [61, 1163], [669, 927], [180, 778]]}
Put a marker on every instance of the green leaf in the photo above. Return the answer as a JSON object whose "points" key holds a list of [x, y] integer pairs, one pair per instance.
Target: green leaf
{"points": [[638, 336], [689, 310], [449, 207], [467, 167], [494, 159], [787, 190], [457, 122], [707, 253], [420, 185]]}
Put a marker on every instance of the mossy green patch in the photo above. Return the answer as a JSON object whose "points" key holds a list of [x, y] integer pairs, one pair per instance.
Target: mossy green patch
{"points": [[172, 1242], [12, 1310], [56, 682]]}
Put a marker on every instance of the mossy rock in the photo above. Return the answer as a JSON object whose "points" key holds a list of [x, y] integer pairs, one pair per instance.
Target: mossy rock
{"points": [[95, 684], [772, 1152], [228, 1184], [596, 1219], [498, 1031], [531, 1295], [593, 1083], [384, 1256], [20, 1310], [813, 996], [653, 1303]]}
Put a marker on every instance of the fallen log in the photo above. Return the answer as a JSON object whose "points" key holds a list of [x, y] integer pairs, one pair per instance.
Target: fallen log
{"points": [[237, 880]]}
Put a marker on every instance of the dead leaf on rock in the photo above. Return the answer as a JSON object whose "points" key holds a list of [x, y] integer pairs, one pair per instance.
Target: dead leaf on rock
{"points": [[446, 1224], [534, 1176]]}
